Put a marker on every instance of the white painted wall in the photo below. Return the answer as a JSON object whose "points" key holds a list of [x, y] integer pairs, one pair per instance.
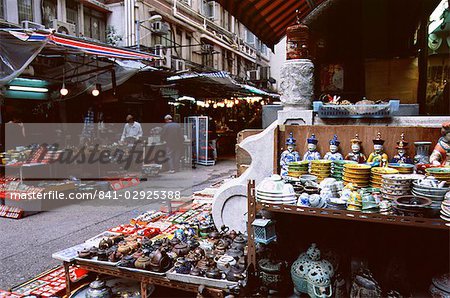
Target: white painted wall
{"points": [[276, 61], [117, 20]]}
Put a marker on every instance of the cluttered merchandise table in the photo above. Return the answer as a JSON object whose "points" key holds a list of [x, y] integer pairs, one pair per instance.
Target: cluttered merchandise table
{"points": [[179, 250]]}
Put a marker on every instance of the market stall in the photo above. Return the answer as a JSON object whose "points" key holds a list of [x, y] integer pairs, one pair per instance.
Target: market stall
{"points": [[179, 250], [371, 224]]}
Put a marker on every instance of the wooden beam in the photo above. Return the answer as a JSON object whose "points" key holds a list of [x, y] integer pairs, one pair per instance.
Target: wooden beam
{"points": [[422, 42]]}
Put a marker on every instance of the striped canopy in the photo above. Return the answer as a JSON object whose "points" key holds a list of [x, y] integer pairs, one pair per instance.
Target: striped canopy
{"points": [[268, 19]]}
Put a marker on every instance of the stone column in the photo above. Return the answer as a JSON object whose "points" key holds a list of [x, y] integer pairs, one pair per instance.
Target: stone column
{"points": [[297, 91]]}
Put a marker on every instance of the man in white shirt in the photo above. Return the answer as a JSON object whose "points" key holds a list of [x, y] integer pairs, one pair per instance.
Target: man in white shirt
{"points": [[132, 131]]}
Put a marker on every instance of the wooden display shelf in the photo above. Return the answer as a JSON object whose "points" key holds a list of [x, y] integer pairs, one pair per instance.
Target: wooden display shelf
{"points": [[429, 223], [144, 279]]}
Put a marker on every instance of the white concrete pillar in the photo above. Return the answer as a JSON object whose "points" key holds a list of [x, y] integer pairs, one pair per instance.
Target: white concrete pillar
{"points": [[61, 10]]}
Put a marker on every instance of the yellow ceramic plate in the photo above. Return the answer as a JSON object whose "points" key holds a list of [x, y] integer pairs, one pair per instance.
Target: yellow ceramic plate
{"points": [[357, 166], [357, 172], [384, 170], [358, 181]]}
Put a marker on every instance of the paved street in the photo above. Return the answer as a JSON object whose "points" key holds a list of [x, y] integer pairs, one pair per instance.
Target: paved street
{"points": [[26, 245]]}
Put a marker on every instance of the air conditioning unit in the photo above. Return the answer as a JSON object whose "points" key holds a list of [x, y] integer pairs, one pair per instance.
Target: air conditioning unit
{"points": [[253, 75], [165, 55], [160, 28], [207, 48], [64, 28], [186, 2], [32, 25], [180, 65]]}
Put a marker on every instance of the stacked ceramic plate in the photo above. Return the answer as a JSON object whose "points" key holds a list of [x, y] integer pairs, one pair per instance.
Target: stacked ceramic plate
{"points": [[440, 286], [358, 174], [396, 185], [377, 173], [445, 210], [435, 194], [402, 168], [442, 174], [273, 190], [298, 168], [337, 168], [320, 168]]}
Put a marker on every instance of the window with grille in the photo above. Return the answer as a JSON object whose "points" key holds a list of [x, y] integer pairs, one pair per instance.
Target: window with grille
{"points": [[25, 8], [72, 12], [94, 24]]}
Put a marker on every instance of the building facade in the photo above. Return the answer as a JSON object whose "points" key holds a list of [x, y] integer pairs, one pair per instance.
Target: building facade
{"points": [[191, 35]]}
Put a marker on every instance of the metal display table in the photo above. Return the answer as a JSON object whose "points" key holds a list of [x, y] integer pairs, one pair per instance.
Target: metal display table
{"points": [[144, 278]]}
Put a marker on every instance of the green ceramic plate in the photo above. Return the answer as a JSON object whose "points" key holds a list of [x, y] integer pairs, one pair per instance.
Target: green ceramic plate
{"points": [[438, 171]]}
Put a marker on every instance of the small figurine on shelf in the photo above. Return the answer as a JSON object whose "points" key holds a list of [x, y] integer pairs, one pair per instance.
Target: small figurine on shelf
{"points": [[334, 153], [378, 158], [401, 156], [354, 202], [356, 154], [312, 153], [289, 155], [441, 152]]}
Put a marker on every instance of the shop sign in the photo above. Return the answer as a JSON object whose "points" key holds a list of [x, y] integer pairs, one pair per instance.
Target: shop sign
{"points": [[169, 92]]}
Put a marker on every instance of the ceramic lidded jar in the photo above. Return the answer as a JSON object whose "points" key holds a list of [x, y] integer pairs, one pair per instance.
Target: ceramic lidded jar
{"points": [[98, 289], [272, 273], [311, 275]]}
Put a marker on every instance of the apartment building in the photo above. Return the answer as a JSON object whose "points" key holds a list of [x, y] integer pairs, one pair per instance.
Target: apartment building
{"points": [[195, 35]]}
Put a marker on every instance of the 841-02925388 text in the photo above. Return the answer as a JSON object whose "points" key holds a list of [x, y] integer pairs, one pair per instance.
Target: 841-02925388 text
{"points": [[139, 195]]}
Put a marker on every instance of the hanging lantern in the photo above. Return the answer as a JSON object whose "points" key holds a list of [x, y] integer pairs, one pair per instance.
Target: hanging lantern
{"points": [[297, 44]]}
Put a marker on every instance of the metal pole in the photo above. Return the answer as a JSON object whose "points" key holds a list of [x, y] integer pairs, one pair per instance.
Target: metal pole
{"points": [[138, 34]]}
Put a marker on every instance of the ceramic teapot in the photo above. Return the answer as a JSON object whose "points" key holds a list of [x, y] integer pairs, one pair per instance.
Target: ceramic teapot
{"points": [[160, 261], [143, 262], [85, 253], [106, 243], [102, 255], [98, 289], [235, 274], [224, 262], [311, 275], [181, 249], [213, 273], [239, 242], [124, 248], [183, 266]]}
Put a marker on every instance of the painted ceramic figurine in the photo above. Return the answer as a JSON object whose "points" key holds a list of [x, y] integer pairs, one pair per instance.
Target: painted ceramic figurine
{"points": [[378, 158], [312, 153], [334, 153], [289, 155], [441, 152], [356, 154], [401, 156]]}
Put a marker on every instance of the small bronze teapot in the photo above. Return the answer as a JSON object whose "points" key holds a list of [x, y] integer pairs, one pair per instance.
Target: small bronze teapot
{"points": [[143, 262]]}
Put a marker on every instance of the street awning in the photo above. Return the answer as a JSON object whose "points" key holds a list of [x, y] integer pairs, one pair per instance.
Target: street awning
{"points": [[19, 48], [214, 85], [268, 19]]}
